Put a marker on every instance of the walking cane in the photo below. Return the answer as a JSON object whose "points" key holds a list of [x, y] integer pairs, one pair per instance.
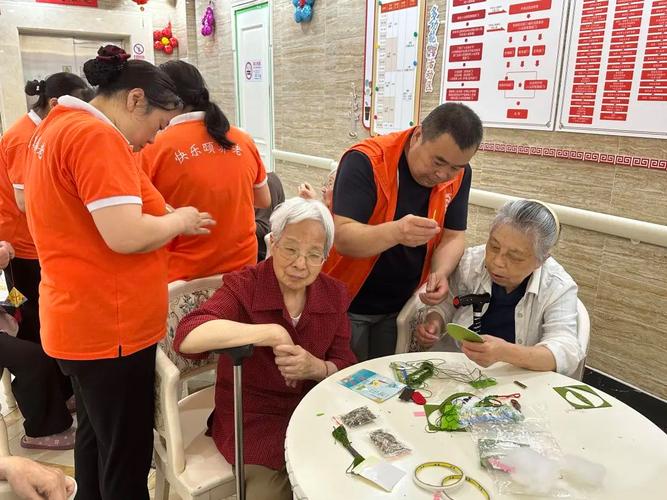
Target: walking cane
{"points": [[238, 354], [477, 302]]}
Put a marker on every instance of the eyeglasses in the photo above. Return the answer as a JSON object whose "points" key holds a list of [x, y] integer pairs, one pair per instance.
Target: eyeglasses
{"points": [[291, 254]]}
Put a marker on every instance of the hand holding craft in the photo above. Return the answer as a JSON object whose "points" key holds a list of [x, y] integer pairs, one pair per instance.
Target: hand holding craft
{"points": [[437, 289], [485, 353], [428, 332], [413, 231]]}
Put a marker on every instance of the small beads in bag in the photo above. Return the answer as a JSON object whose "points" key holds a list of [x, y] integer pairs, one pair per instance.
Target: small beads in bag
{"points": [[358, 417], [387, 443]]}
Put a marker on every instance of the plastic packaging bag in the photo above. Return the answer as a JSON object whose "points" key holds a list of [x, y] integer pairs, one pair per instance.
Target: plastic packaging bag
{"points": [[358, 417], [388, 445], [522, 457]]}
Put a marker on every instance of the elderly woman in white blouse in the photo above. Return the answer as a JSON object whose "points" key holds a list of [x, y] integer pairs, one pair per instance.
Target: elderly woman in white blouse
{"points": [[531, 320]]}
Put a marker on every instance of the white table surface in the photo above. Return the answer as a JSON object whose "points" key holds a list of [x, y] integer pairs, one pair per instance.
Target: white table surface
{"points": [[631, 447]]}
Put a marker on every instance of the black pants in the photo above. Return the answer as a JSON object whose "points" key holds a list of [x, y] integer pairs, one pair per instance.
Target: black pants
{"points": [[39, 386], [114, 437]]}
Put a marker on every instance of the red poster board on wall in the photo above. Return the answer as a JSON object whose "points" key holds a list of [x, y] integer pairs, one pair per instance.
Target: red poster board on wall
{"points": [[78, 3]]}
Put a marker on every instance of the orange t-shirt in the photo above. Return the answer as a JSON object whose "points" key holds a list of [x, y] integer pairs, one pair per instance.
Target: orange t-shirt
{"points": [[13, 154], [190, 169], [94, 303]]}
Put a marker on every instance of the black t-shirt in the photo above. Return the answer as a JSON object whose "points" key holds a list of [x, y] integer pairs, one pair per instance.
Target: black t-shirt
{"points": [[397, 271], [498, 320]]}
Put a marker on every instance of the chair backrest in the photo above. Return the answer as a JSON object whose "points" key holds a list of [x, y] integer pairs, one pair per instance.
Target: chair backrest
{"points": [[583, 336], [406, 323], [185, 297], [172, 369]]}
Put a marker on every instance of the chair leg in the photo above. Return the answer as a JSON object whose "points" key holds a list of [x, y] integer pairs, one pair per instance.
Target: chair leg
{"points": [[161, 483], [7, 389]]}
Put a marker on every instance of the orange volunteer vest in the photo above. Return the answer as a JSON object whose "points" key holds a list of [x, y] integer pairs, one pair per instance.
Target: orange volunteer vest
{"points": [[384, 153], [190, 169], [13, 157]]}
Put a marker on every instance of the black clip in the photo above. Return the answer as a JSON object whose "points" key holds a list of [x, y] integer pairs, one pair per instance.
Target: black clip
{"points": [[406, 395]]}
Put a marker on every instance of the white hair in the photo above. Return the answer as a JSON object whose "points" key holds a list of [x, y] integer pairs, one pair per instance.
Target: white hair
{"points": [[298, 209], [534, 218]]}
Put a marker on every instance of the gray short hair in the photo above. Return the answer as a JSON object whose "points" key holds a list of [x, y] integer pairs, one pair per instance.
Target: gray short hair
{"points": [[296, 210], [532, 217]]}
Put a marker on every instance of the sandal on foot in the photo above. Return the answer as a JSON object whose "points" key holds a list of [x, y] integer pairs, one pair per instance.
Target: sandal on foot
{"points": [[61, 441]]}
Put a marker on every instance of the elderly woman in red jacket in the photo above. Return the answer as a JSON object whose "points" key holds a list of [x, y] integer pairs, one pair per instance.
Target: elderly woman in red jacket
{"points": [[296, 318]]}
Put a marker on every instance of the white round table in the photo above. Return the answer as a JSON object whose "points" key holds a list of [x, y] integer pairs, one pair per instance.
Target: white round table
{"points": [[631, 447]]}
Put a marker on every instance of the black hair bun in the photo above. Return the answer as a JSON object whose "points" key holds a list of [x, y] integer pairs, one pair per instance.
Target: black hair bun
{"points": [[106, 67], [35, 87]]}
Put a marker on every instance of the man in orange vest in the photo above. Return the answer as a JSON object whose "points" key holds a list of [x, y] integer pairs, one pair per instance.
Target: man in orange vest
{"points": [[400, 207]]}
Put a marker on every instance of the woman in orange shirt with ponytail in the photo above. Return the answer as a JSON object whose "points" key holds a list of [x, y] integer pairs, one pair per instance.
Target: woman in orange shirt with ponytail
{"points": [[201, 160], [48, 424]]}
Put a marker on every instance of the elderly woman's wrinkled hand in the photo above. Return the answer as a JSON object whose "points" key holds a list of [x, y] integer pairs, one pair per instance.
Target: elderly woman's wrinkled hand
{"points": [[428, 332], [485, 353], [6, 254], [295, 363]]}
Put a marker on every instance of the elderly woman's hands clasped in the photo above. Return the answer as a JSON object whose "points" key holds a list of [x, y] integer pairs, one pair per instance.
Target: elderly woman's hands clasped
{"points": [[294, 362]]}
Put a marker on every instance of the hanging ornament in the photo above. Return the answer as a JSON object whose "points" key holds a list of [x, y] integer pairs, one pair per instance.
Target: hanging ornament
{"points": [[141, 3], [303, 12], [432, 45], [164, 40], [208, 21]]}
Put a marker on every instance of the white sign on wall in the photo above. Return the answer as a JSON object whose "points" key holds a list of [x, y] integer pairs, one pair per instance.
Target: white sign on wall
{"points": [[615, 79], [397, 65], [369, 52], [501, 58]]}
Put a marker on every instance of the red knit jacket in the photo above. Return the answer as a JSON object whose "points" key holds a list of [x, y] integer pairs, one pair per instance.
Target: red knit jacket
{"points": [[252, 295]]}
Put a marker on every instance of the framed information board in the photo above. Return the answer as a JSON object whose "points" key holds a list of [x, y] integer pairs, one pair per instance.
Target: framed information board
{"points": [[502, 58], [615, 79], [369, 53], [397, 65]]}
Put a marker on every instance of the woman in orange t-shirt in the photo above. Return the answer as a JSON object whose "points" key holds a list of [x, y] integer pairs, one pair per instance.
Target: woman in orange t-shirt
{"points": [[25, 270], [48, 424], [98, 225], [200, 160]]}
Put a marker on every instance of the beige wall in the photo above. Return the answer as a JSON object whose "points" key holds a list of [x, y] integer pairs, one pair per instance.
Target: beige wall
{"points": [[215, 56], [160, 12], [112, 17], [623, 285]]}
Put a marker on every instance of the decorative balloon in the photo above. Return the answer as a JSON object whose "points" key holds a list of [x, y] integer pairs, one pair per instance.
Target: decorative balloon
{"points": [[141, 3], [303, 12], [164, 40], [208, 21]]}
